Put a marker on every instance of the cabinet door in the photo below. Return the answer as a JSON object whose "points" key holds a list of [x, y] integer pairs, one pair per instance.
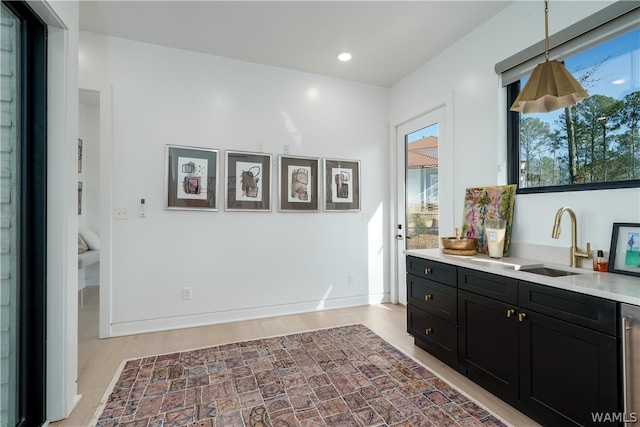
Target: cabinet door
{"points": [[488, 343], [568, 372]]}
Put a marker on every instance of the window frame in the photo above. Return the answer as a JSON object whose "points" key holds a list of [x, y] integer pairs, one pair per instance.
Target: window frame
{"points": [[32, 217], [570, 41], [513, 158]]}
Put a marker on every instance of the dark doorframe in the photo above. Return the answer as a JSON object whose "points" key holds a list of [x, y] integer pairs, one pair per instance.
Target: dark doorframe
{"points": [[32, 216]]}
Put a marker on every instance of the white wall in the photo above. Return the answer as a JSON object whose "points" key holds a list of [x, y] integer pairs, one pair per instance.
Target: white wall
{"points": [[479, 124], [238, 264]]}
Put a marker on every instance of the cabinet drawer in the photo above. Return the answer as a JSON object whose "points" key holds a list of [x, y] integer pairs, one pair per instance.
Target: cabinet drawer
{"points": [[591, 312], [493, 286], [440, 336], [433, 297], [436, 271]]}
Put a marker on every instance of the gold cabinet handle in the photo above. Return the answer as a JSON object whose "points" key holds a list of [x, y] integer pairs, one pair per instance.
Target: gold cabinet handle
{"points": [[427, 331], [427, 271], [428, 297], [521, 316], [510, 312]]}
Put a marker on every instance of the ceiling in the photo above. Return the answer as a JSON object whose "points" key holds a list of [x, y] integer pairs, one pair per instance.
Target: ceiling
{"points": [[388, 39]]}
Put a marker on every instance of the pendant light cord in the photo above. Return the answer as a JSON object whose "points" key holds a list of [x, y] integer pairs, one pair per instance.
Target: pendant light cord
{"points": [[546, 30]]}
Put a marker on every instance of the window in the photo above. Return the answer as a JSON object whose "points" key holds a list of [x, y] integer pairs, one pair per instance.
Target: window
{"points": [[596, 143], [23, 225]]}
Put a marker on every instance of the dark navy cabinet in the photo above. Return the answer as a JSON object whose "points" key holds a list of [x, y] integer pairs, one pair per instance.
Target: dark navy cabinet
{"points": [[553, 354]]}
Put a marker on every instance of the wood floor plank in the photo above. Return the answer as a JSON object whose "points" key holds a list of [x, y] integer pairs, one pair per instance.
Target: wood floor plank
{"points": [[98, 360]]}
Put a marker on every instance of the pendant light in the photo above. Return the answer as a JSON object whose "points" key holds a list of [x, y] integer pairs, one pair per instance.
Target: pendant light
{"points": [[550, 85]]}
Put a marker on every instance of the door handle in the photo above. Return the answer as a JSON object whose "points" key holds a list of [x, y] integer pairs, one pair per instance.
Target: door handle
{"points": [[399, 237]]}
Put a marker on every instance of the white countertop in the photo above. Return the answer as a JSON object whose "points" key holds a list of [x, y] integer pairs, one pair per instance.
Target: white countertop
{"points": [[613, 286]]}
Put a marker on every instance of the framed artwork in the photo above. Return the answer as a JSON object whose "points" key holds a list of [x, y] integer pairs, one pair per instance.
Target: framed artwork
{"points": [[79, 155], [191, 178], [483, 203], [248, 186], [298, 184], [624, 255], [79, 197], [341, 185]]}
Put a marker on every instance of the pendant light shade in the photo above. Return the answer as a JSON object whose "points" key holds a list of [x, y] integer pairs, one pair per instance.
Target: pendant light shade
{"points": [[550, 86]]}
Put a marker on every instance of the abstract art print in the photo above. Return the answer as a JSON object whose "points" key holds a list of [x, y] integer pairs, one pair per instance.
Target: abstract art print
{"points": [[248, 186], [624, 255], [484, 203], [341, 185], [79, 155], [298, 184], [191, 178]]}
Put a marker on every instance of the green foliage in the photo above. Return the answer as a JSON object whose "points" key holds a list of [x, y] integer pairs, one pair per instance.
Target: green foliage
{"points": [[597, 140]]}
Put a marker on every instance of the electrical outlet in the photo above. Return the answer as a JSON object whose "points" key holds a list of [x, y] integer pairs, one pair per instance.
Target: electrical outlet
{"points": [[186, 293], [366, 217], [122, 213], [351, 280]]}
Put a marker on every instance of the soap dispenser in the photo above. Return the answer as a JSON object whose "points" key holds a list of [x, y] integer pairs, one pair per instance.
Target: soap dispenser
{"points": [[600, 263]]}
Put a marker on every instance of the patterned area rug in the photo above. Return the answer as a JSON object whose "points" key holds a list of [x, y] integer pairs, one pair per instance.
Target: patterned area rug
{"points": [[343, 376]]}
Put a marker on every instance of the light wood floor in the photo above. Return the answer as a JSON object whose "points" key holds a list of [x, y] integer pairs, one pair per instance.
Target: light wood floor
{"points": [[99, 359]]}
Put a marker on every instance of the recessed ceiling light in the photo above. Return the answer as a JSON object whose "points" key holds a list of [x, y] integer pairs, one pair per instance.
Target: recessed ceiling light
{"points": [[344, 57]]}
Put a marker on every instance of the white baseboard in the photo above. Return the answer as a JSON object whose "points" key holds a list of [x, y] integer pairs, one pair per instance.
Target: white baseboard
{"points": [[190, 321]]}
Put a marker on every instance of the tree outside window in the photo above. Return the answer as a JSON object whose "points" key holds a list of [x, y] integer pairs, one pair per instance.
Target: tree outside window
{"points": [[595, 143]]}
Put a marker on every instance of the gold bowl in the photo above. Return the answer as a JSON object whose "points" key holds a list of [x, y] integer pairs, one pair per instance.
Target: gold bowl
{"points": [[459, 242]]}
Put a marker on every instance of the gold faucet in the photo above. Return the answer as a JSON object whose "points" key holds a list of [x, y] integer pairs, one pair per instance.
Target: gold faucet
{"points": [[575, 252]]}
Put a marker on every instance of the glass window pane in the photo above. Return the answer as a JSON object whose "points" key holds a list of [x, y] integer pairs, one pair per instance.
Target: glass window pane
{"points": [[596, 141], [422, 188], [9, 133]]}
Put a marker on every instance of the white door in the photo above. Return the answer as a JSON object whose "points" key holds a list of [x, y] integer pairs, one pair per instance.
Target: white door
{"points": [[421, 152]]}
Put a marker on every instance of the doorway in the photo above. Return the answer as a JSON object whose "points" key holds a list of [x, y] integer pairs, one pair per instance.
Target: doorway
{"points": [[424, 187], [88, 212], [96, 206]]}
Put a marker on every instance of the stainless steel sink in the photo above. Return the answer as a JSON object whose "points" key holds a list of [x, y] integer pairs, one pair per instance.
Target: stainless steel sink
{"points": [[547, 271]]}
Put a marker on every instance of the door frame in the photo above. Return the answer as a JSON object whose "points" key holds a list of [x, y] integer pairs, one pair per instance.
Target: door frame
{"points": [[443, 107], [105, 204], [29, 298]]}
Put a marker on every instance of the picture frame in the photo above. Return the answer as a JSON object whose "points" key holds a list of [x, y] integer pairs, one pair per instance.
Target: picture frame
{"points": [[79, 197], [79, 155], [341, 185], [624, 254], [248, 181], [298, 185], [191, 178]]}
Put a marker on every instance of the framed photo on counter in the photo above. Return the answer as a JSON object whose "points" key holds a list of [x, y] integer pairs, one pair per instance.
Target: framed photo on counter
{"points": [[624, 255]]}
